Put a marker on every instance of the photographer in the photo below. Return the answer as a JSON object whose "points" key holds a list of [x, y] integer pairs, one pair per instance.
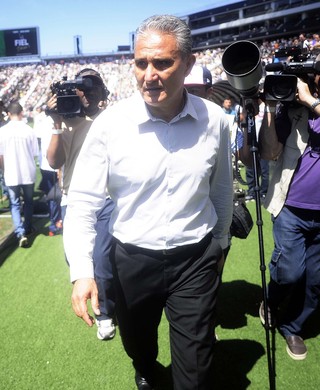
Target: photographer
{"points": [[81, 101], [290, 135], [70, 128]]}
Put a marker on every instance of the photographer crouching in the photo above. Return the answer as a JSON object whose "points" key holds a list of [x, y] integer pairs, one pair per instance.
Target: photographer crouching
{"points": [[73, 107], [290, 135]]}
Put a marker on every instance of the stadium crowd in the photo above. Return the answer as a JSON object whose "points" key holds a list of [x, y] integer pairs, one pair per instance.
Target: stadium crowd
{"points": [[30, 84]]}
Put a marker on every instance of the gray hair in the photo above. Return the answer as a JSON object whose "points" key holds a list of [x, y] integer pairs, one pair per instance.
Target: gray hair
{"points": [[171, 25]]}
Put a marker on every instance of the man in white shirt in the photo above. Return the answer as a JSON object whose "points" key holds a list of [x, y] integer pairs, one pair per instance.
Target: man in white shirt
{"points": [[164, 157], [18, 148]]}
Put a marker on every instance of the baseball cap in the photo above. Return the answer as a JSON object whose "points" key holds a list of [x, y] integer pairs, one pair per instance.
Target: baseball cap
{"points": [[93, 74], [199, 76]]}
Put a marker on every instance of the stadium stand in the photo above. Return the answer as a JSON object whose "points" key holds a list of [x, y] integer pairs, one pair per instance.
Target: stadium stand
{"points": [[253, 20]]}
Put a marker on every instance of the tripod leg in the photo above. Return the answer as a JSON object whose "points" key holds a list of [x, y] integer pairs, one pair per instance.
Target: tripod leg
{"points": [[259, 222]]}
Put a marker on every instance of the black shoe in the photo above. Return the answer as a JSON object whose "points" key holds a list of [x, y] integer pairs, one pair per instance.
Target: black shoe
{"points": [[141, 382], [296, 348]]}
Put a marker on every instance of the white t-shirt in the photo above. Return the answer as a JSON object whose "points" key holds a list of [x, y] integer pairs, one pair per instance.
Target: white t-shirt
{"points": [[19, 147]]}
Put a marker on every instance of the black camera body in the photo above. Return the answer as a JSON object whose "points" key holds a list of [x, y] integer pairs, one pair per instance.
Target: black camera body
{"points": [[295, 52], [280, 87], [241, 62], [283, 86], [68, 102]]}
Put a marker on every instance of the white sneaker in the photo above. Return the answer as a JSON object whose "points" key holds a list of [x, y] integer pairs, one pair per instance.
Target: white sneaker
{"points": [[106, 329], [23, 241]]}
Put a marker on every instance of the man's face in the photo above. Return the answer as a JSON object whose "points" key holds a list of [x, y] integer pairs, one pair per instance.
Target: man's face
{"points": [[90, 98], [227, 104], [160, 71]]}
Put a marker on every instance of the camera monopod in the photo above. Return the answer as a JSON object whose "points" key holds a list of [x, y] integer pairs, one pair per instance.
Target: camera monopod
{"points": [[242, 64], [249, 105]]}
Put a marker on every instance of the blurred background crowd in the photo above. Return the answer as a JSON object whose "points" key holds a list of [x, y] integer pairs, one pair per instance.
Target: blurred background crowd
{"points": [[30, 83]]}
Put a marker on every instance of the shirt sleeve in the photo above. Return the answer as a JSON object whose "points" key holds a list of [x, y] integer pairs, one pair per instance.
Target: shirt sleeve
{"points": [[221, 192], [86, 196]]}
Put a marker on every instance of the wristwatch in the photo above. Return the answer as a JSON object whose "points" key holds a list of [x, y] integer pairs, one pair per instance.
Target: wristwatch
{"points": [[315, 104]]}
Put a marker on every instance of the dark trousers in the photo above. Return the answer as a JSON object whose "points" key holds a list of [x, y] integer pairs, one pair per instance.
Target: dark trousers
{"points": [[184, 283], [101, 261]]}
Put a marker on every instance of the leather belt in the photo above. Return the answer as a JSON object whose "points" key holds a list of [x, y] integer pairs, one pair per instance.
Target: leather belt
{"points": [[172, 251]]}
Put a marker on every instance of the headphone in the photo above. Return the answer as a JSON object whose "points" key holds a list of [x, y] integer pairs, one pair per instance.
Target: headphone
{"points": [[91, 72]]}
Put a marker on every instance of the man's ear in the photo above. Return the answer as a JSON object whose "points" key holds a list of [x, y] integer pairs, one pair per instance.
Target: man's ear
{"points": [[209, 92], [190, 62]]}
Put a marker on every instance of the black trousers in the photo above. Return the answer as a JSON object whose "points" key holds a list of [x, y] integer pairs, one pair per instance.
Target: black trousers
{"points": [[183, 282]]}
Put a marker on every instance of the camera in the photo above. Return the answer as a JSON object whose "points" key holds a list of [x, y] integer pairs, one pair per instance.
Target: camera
{"points": [[68, 102], [283, 86], [291, 51], [242, 64]]}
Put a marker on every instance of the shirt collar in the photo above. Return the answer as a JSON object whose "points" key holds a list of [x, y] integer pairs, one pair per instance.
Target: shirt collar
{"points": [[143, 114], [189, 107]]}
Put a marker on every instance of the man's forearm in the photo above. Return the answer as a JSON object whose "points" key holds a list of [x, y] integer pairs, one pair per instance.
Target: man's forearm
{"points": [[269, 146], [55, 152]]}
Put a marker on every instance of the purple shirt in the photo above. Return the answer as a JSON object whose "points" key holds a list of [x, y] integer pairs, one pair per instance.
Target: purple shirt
{"points": [[304, 191]]}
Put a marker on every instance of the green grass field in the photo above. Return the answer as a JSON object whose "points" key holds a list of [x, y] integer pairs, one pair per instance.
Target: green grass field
{"points": [[45, 346]]}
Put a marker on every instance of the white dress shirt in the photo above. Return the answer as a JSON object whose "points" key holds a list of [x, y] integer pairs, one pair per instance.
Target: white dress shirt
{"points": [[171, 182]]}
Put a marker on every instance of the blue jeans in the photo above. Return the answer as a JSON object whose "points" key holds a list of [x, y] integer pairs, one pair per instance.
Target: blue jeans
{"points": [[21, 228], [4, 188], [295, 266], [263, 172], [48, 181], [102, 267]]}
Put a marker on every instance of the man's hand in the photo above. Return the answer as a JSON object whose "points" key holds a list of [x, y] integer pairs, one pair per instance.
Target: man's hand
{"points": [[84, 289], [304, 95], [52, 111]]}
